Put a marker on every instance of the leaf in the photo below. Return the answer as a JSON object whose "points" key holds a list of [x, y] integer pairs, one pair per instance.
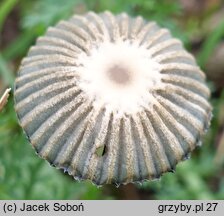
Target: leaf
{"points": [[5, 72], [210, 43], [48, 12]]}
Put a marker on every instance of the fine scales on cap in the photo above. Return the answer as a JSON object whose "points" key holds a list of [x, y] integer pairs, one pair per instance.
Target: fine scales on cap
{"points": [[111, 98]]}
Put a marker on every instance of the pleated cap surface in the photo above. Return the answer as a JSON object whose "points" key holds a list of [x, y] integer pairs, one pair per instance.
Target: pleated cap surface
{"points": [[111, 98]]}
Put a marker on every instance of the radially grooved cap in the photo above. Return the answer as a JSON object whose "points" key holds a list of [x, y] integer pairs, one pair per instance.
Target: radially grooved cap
{"points": [[111, 98]]}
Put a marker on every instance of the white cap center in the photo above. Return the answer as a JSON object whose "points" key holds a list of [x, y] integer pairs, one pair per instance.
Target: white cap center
{"points": [[120, 77]]}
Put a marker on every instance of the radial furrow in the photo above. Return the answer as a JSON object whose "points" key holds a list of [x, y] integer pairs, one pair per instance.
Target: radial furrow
{"points": [[53, 41], [175, 57], [66, 152], [93, 160], [99, 22], [187, 94], [145, 148], [41, 52], [112, 150], [28, 118], [174, 150], [28, 77], [161, 162], [131, 159], [45, 64], [187, 83], [80, 155], [182, 115], [163, 138], [183, 70], [77, 30], [89, 27], [146, 32], [70, 37], [185, 136], [137, 24], [71, 106], [193, 108], [112, 25], [166, 46], [47, 61], [123, 22], [43, 94], [157, 37], [40, 83], [61, 131]]}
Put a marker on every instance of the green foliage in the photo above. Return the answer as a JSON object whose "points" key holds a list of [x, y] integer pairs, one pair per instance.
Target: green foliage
{"points": [[210, 43], [36, 18], [5, 72], [20, 46], [47, 12]]}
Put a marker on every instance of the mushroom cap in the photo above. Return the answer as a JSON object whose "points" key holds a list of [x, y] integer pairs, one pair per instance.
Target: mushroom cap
{"points": [[111, 98]]}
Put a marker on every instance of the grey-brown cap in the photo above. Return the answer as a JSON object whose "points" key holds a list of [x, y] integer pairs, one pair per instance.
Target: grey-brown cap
{"points": [[111, 98]]}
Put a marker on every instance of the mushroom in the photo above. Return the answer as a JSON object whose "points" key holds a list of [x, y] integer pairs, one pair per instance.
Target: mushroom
{"points": [[111, 98]]}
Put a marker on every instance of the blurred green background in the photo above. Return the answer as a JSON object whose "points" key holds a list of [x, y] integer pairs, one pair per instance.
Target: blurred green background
{"points": [[198, 23]]}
